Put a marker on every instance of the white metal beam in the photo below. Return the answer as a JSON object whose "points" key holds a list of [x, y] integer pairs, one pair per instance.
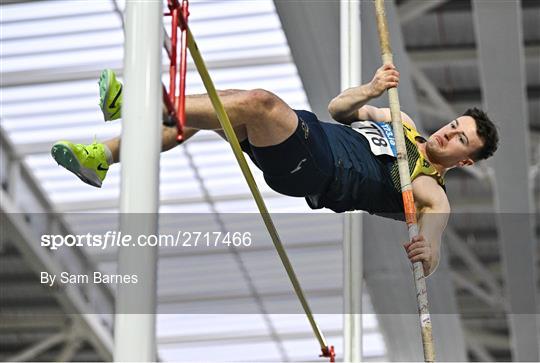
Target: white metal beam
{"points": [[70, 349], [73, 343], [350, 69], [352, 286], [91, 71], [463, 282], [35, 350], [422, 58], [478, 349], [12, 322], [135, 320], [459, 55], [412, 9], [460, 249], [488, 340], [439, 102], [502, 71]]}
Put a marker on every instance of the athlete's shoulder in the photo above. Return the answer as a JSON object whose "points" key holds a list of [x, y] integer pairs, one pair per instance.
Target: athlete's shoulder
{"points": [[429, 193], [408, 121]]}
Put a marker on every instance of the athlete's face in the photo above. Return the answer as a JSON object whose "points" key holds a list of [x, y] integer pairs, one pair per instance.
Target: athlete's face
{"points": [[453, 144]]}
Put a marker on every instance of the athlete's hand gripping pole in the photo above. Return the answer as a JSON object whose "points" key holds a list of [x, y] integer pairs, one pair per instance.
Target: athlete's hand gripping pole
{"points": [[406, 187], [327, 351]]}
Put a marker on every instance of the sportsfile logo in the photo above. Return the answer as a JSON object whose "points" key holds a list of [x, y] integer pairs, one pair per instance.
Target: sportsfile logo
{"points": [[120, 239]]}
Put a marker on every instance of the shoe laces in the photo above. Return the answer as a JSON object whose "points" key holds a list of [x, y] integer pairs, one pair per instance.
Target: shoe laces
{"points": [[94, 146]]}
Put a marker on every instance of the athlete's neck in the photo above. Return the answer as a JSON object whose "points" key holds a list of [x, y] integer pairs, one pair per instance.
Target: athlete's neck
{"points": [[422, 149]]}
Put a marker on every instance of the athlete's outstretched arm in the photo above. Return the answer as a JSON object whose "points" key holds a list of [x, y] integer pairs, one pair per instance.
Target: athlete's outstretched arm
{"points": [[345, 107], [433, 212], [377, 114]]}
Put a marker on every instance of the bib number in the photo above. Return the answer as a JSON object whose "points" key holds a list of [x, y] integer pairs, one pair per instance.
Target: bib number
{"points": [[379, 135]]}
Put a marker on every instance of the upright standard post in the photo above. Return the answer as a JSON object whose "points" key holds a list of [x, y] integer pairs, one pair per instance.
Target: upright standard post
{"points": [[406, 187], [135, 321], [351, 66]]}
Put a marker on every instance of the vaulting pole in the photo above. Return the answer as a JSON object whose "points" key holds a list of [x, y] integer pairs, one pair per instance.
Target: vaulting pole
{"points": [[406, 187]]}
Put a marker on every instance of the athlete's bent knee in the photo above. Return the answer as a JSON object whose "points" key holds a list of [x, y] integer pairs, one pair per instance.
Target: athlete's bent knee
{"points": [[262, 101]]}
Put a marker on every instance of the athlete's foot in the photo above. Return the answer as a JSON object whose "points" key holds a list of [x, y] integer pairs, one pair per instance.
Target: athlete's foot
{"points": [[110, 95], [88, 162]]}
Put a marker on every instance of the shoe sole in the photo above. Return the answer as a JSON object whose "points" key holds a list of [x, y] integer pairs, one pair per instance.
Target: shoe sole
{"points": [[104, 84], [67, 159]]}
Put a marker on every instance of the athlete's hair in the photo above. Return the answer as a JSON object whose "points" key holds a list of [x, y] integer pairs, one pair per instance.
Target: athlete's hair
{"points": [[487, 131]]}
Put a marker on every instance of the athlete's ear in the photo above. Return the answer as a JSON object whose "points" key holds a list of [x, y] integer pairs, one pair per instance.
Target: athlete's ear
{"points": [[466, 162]]}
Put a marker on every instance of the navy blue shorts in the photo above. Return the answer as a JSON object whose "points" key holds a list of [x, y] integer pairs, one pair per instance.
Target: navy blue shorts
{"points": [[332, 166], [300, 166]]}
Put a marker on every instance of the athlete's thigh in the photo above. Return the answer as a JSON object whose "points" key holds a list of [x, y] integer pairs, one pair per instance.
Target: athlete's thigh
{"points": [[302, 164]]}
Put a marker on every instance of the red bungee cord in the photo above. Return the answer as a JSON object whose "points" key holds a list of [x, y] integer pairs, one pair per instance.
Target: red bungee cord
{"points": [[176, 104], [181, 101]]}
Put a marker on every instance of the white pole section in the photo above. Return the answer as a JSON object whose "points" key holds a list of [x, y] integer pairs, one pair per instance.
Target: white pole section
{"points": [[350, 42], [135, 321]]}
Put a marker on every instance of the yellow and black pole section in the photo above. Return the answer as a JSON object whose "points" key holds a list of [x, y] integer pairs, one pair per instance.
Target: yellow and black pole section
{"points": [[406, 187]]}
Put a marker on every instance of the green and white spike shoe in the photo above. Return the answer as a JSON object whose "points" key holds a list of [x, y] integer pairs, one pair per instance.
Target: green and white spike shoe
{"points": [[110, 95], [88, 162]]}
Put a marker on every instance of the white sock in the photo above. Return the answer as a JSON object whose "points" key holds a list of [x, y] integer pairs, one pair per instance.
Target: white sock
{"points": [[108, 154]]}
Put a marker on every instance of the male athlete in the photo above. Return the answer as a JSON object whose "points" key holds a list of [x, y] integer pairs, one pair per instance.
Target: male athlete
{"points": [[346, 166]]}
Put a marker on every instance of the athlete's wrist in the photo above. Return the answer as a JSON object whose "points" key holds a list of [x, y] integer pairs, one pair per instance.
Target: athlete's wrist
{"points": [[369, 91]]}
